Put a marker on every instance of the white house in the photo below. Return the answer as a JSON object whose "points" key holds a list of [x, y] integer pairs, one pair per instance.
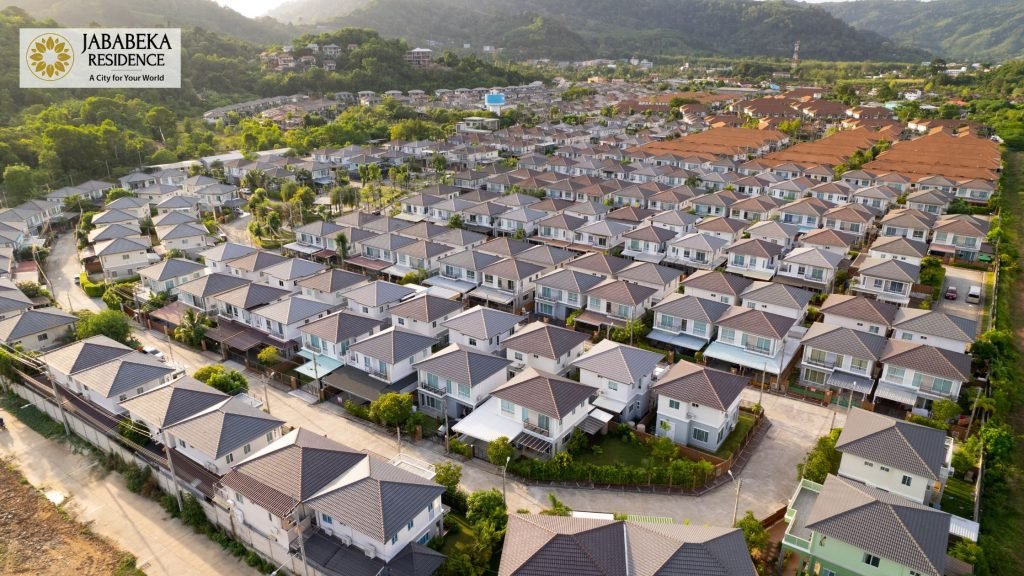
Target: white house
{"points": [[544, 347], [685, 321], [946, 331], [482, 328], [221, 436], [917, 374], [840, 358], [457, 379], [622, 375], [887, 280], [390, 354], [698, 406]]}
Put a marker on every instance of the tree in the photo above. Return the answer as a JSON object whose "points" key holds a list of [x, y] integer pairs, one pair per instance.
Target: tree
{"points": [[73, 202], [945, 410], [558, 508], [110, 323], [663, 449], [161, 121], [439, 163], [227, 381], [756, 536], [455, 221], [500, 450], [335, 196], [255, 179], [115, 193], [448, 474], [822, 460], [134, 431], [391, 409], [999, 440], [487, 506], [19, 180], [269, 356], [341, 241], [192, 328], [204, 373], [163, 156]]}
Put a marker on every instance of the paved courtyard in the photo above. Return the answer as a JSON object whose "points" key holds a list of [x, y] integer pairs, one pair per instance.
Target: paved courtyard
{"points": [[963, 279]]}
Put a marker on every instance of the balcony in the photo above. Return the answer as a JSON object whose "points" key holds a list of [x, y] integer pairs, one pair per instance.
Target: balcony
{"points": [[536, 429], [825, 363], [434, 389], [757, 350]]}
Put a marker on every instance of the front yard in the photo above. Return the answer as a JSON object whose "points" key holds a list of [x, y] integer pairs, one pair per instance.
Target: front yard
{"points": [[610, 449], [958, 498], [735, 438]]}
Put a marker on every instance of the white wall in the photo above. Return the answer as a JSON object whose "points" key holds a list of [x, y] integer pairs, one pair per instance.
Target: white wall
{"points": [[891, 480]]}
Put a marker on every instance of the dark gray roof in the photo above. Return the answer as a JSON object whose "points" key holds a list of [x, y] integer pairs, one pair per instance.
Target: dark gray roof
{"points": [[341, 326], [860, 308], [85, 354], [212, 284], [621, 292], [845, 341], [393, 345], [321, 228], [504, 246], [689, 382], [720, 282], [513, 268], [545, 340], [33, 322], [935, 323], [470, 260], [569, 280], [384, 225], [544, 393], [426, 308], [900, 245], [122, 245], [258, 260], [812, 256], [928, 360], [484, 323], [184, 230], [619, 362], [225, 427], [292, 310], [458, 238], [332, 280], [903, 445], [757, 322], [883, 524], [252, 295], [388, 242], [378, 293], [170, 269], [890, 269], [124, 373], [778, 294], [170, 404], [545, 255], [462, 364], [376, 498], [692, 308], [293, 269], [599, 263]]}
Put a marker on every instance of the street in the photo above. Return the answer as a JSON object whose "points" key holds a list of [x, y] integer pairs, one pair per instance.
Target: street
{"points": [[237, 230], [62, 266]]}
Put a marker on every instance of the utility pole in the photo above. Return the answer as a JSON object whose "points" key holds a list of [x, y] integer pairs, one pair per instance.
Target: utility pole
{"points": [[174, 475], [302, 543]]}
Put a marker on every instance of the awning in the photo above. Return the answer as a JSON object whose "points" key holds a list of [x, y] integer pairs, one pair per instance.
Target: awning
{"points": [[531, 442], [643, 256], [171, 314], [597, 319], [942, 248], [612, 405], [483, 424], [741, 357], [368, 263], [680, 340], [756, 274], [492, 295], [847, 381], [325, 253], [318, 366], [357, 383], [242, 337], [460, 286], [896, 394], [595, 421], [301, 248], [964, 528], [410, 217]]}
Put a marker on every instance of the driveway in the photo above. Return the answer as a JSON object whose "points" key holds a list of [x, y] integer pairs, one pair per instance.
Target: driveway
{"points": [[237, 230], [62, 266], [963, 279]]}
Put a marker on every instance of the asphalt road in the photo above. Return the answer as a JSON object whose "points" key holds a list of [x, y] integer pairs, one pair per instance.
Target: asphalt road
{"points": [[62, 266]]}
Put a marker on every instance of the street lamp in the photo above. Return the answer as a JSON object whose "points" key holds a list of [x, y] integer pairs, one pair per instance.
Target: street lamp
{"points": [[736, 506], [503, 469]]}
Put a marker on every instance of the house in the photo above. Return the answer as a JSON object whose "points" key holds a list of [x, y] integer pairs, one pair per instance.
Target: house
{"points": [[959, 235], [106, 384], [616, 303], [829, 240], [217, 257], [188, 237], [623, 376], [946, 331], [282, 320], [576, 545], [561, 292], [909, 223], [239, 303], [417, 206], [536, 411], [896, 456], [457, 379], [898, 248], [223, 434], [698, 406], [168, 220], [845, 527], [329, 286], [546, 256], [718, 286], [697, 251], [753, 339], [877, 198], [754, 208], [422, 256], [108, 217], [663, 279], [167, 275], [425, 314], [677, 221], [686, 321], [598, 264], [121, 257], [139, 207], [544, 347], [13, 301], [461, 272], [777, 298], [316, 239], [482, 328], [523, 220], [186, 204], [559, 229], [930, 201], [507, 283], [850, 218], [199, 293], [376, 298], [725, 228], [252, 265], [67, 361], [753, 258], [859, 313], [648, 243], [841, 359], [784, 235], [171, 403], [917, 374], [810, 267], [326, 341], [887, 280], [601, 234], [37, 329]]}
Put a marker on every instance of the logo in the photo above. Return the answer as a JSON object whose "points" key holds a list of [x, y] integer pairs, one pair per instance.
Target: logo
{"points": [[50, 57]]}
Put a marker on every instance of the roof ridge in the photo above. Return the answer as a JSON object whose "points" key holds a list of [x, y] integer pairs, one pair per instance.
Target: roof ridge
{"points": [[892, 508], [917, 454]]}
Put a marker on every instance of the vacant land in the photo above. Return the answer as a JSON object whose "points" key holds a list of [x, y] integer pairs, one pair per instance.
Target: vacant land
{"points": [[36, 537]]}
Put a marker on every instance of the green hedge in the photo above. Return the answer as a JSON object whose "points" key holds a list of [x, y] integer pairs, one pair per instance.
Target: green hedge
{"points": [[92, 289], [685, 473]]}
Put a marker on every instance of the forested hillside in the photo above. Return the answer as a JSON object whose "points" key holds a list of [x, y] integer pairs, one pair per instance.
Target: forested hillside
{"points": [[969, 29]]}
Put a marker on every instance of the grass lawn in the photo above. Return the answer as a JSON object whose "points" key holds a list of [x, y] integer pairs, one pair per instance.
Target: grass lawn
{"points": [[462, 541], [615, 451], [957, 498], [732, 442]]}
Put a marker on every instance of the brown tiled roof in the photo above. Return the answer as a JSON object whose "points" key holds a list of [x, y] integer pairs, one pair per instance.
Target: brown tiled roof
{"points": [[545, 340], [689, 382], [928, 360], [544, 393], [860, 308]]}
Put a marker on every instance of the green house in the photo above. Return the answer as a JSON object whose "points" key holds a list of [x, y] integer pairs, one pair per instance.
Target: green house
{"points": [[844, 528]]}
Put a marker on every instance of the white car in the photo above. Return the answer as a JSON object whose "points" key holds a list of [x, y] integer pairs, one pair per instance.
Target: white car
{"points": [[151, 350]]}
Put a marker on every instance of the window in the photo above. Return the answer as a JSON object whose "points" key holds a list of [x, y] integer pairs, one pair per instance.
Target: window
{"points": [[665, 321], [181, 444], [699, 328], [884, 468], [239, 498], [613, 385], [518, 356], [871, 560], [869, 464], [122, 397], [906, 336], [409, 525], [720, 434], [508, 408], [430, 509], [229, 458], [472, 341], [464, 390], [673, 404], [873, 329], [859, 364], [394, 539], [894, 374], [624, 311], [827, 572], [247, 448], [43, 337], [727, 335], [700, 435], [270, 436], [907, 480], [401, 321]]}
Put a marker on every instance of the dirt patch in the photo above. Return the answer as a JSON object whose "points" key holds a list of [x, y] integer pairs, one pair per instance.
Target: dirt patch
{"points": [[38, 538]]}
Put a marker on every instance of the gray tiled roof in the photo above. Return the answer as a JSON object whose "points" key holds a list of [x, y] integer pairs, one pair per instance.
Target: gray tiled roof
{"points": [[828, 237], [692, 308], [513, 268], [85, 354], [890, 269], [33, 322], [619, 362], [387, 242], [252, 295], [883, 524], [698, 241], [757, 322], [292, 310], [470, 260], [254, 261], [845, 341], [424, 249], [121, 245], [900, 245], [332, 280], [174, 402], [293, 268], [935, 323], [462, 364], [224, 427], [376, 498], [651, 233], [545, 393], [545, 340], [777, 294], [226, 251], [484, 323], [309, 462], [124, 373], [321, 228], [689, 382], [458, 238], [812, 256], [569, 280], [111, 216], [903, 445], [426, 308], [341, 326], [378, 293], [860, 308], [720, 282], [504, 246], [393, 345], [621, 292], [211, 284], [649, 273], [186, 230], [170, 269], [385, 225], [755, 247], [599, 263], [928, 360], [546, 256]]}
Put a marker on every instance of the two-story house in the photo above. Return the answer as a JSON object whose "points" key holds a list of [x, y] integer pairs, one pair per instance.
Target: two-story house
{"points": [[946, 331], [252, 265], [907, 222], [122, 257], [753, 339], [239, 303], [199, 293], [677, 221], [887, 280], [623, 376], [216, 258], [686, 321], [188, 237], [777, 298], [696, 251], [376, 299], [859, 313], [829, 240], [544, 347], [728, 229], [698, 406], [784, 235], [850, 218], [325, 342], [289, 273], [958, 235], [662, 279], [601, 234], [461, 271], [898, 248], [648, 243], [718, 286], [559, 230], [507, 283], [37, 329], [561, 292], [806, 214], [753, 258], [282, 320], [841, 358], [810, 267], [482, 328], [616, 303], [171, 403], [389, 356], [167, 275], [457, 379], [329, 286], [915, 374], [425, 314]]}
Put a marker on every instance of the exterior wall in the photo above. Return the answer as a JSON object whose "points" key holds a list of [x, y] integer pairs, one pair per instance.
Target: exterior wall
{"points": [[190, 244], [684, 419], [454, 400], [333, 298], [424, 523], [523, 359], [853, 324], [891, 480], [43, 340], [375, 312], [936, 341], [221, 466], [709, 295], [775, 309], [908, 382], [257, 518], [112, 405], [433, 329], [847, 560], [116, 265], [632, 393], [395, 372], [558, 430], [915, 260]]}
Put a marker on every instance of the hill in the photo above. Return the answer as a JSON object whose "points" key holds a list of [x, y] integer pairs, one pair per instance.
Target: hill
{"points": [[204, 14], [296, 11], [958, 29], [544, 28]]}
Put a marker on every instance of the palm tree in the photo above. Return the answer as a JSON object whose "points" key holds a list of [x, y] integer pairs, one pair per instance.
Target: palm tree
{"points": [[341, 240], [983, 403], [192, 328], [254, 179]]}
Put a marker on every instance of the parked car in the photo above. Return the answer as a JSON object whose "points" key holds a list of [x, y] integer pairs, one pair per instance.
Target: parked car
{"points": [[951, 293], [973, 295], [77, 280], [152, 351]]}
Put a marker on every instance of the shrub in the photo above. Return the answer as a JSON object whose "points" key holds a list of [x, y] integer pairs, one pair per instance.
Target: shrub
{"points": [[135, 476], [192, 513], [822, 460], [91, 289], [500, 450], [461, 448], [357, 410], [133, 431]]}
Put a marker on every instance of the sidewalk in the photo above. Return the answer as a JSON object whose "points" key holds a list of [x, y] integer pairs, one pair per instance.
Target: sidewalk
{"points": [[163, 545]]}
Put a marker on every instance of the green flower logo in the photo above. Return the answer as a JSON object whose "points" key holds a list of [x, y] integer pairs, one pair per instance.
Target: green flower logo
{"points": [[50, 57]]}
